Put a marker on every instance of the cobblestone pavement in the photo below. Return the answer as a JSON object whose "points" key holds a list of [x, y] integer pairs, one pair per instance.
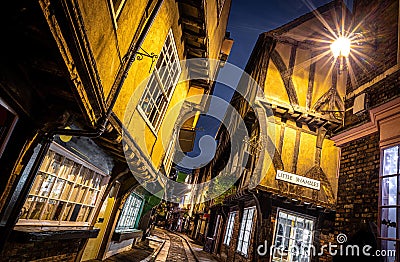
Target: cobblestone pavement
{"points": [[136, 254], [176, 248]]}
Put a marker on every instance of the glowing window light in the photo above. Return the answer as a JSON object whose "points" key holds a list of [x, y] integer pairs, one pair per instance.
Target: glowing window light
{"points": [[341, 47]]}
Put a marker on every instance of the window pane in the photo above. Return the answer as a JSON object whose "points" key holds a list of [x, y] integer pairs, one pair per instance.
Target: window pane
{"points": [[75, 213], [386, 246], [46, 186], [292, 237], [37, 207], [388, 222], [27, 206], [390, 161], [389, 190], [66, 168], [59, 209], [49, 210], [67, 212], [67, 190], [55, 164], [57, 189]]}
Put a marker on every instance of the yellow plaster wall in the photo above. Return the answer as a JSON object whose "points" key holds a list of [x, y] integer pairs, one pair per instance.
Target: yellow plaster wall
{"points": [[307, 150], [274, 86], [134, 86], [301, 75], [322, 80], [288, 146], [329, 163]]}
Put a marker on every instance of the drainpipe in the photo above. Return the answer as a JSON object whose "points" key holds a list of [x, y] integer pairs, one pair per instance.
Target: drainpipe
{"points": [[22, 190]]}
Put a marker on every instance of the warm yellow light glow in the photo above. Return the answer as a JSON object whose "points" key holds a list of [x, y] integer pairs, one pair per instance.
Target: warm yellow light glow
{"points": [[341, 47]]}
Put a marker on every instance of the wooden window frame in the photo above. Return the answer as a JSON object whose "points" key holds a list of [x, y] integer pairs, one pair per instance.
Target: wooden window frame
{"points": [[86, 185], [396, 206], [131, 209], [297, 215], [161, 85], [229, 227], [244, 227]]}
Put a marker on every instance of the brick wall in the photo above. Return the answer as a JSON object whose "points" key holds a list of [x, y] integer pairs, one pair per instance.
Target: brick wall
{"points": [[377, 94], [358, 185], [379, 28], [58, 250]]}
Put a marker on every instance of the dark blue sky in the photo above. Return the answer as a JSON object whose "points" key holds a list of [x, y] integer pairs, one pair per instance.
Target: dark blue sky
{"points": [[247, 20]]}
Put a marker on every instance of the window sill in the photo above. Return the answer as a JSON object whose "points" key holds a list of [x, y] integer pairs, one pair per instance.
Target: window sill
{"points": [[38, 234], [127, 234]]}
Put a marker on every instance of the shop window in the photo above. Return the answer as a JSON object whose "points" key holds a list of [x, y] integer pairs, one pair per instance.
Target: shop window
{"points": [[130, 213], [229, 228], [66, 190], [293, 237], [245, 231], [7, 122], [389, 200], [157, 95]]}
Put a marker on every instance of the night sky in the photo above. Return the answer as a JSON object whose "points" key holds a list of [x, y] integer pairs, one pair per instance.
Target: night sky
{"points": [[247, 20]]}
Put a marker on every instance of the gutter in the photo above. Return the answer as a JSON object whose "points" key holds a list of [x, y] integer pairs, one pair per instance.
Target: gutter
{"points": [[23, 187]]}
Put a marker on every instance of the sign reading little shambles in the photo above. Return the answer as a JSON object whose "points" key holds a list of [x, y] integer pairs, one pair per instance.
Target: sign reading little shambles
{"points": [[298, 180]]}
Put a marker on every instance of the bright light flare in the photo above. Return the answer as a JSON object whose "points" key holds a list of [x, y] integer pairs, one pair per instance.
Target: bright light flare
{"points": [[341, 47]]}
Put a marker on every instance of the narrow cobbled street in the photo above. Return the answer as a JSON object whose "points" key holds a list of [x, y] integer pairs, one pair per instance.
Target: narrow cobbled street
{"points": [[166, 246]]}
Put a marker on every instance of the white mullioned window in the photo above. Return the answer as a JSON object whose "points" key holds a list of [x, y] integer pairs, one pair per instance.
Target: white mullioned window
{"points": [[130, 213], [389, 204], [66, 190], [245, 230], [155, 100], [293, 237], [229, 228]]}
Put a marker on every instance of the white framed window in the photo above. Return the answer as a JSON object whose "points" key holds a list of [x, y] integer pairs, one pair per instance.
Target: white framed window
{"points": [[245, 231], [155, 100], [229, 228], [389, 204], [170, 153], [66, 190], [130, 213], [293, 237]]}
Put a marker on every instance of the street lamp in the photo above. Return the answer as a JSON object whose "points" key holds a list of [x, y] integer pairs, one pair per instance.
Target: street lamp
{"points": [[341, 47]]}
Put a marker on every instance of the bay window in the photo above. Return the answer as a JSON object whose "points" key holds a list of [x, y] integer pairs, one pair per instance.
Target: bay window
{"points": [[66, 191]]}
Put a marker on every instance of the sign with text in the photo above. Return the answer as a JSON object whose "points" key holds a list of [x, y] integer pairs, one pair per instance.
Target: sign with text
{"points": [[298, 180]]}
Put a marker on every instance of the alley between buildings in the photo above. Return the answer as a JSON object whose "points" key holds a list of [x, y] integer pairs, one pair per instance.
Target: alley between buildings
{"points": [[163, 245]]}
